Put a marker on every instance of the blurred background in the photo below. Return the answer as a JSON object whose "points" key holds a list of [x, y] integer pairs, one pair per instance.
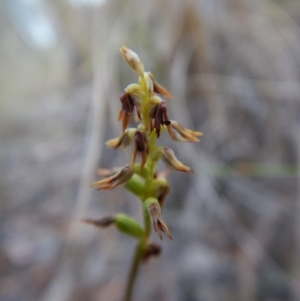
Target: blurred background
{"points": [[233, 68]]}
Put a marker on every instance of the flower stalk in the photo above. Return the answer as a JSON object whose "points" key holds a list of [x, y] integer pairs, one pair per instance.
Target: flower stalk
{"points": [[141, 179]]}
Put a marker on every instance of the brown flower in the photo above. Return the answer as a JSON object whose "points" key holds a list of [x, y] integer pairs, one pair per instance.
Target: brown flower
{"points": [[171, 162], [158, 117], [141, 147], [136, 95], [127, 108], [157, 221], [119, 178]]}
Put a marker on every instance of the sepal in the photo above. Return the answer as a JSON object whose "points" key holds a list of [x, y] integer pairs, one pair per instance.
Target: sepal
{"points": [[119, 178], [171, 162], [123, 140], [181, 133], [159, 89]]}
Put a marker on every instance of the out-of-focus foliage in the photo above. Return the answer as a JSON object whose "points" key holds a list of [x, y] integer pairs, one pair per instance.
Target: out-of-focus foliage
{"points": [[233, 68]]}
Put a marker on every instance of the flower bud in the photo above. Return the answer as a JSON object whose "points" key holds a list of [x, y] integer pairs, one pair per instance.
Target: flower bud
{"points": [[115, 180], [123, 223], [171, 162], [123, 140], [158, 88], [135, 185], [182, 134], [128, 225], [133, 60], [135, 90], [159, 225], [155, 100]]}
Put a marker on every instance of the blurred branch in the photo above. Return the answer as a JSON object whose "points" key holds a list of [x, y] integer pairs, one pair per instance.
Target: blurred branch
{"points": [[63, 284], [73, 28]]}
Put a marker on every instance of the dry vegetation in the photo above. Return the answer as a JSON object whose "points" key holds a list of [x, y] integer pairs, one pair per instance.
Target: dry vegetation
{"points": [[233, 67]]}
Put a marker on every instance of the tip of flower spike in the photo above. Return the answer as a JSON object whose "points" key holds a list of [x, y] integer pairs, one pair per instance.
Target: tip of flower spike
{"points": [[133, 60]]}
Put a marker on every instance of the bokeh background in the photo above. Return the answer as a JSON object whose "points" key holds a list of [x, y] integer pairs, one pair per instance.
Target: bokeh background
{"points": [[233, 67]]}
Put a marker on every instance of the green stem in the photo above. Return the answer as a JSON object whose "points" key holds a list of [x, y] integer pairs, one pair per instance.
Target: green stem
{"points": [[137, 257], [139, 252], [147, 174], [134, 269], [147, 223]]}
